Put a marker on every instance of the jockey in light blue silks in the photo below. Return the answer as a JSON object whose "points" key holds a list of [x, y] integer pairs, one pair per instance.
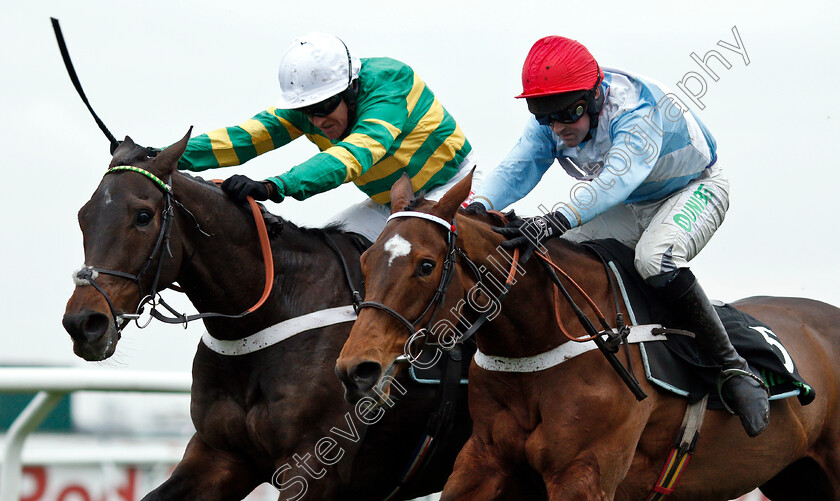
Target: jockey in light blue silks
{"points": [[650, 177]]}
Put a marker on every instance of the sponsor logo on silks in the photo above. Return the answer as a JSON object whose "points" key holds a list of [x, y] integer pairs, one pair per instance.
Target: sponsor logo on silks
{"points": [[693, 207]]}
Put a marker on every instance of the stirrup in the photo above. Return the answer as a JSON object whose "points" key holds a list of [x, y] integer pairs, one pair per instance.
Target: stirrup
{"points": [[727, 374]]}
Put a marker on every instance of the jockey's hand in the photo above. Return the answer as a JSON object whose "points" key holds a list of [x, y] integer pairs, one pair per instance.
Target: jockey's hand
{"points": [[529, 234], [238, 187], [475, 208]]}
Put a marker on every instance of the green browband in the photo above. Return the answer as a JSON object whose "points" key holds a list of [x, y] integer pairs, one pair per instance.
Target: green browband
{"points": [[158, 181]]}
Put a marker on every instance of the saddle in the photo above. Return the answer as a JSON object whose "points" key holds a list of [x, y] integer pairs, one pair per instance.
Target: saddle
{"points": [[678, 365]]}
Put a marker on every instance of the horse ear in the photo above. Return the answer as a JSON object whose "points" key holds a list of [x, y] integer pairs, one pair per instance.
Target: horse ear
{"points": [[126, 144], [122, 152], [167, 159], [401, 193], [452, 200]]}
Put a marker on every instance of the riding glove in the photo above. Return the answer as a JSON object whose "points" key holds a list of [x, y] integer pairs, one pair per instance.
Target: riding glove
{"points": [[238, 187], [529, 234], [475, 208]]}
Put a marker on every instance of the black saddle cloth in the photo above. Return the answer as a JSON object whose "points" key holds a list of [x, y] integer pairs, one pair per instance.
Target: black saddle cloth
{"points": [[678, 365]]}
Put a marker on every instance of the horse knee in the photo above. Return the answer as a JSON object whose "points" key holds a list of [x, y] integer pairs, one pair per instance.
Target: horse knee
{"points": [[579, 481]]}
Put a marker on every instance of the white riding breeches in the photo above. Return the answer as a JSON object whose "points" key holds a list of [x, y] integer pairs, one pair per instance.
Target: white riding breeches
{"points": [[668, 233]]}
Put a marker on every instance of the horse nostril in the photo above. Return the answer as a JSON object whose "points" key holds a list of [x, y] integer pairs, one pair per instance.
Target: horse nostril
{"points": [[86, 326], [96, 325], [366, 374]]}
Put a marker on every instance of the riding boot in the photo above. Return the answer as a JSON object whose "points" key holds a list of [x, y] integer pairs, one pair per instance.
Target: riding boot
{"points": [[749, 395]]}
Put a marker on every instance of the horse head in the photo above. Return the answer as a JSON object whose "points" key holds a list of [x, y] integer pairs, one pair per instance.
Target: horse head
{"points": [[131, 209], [411, 283]]}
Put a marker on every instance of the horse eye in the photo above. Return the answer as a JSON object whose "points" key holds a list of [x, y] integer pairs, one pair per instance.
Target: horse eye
{"points": [[425, 268], [143, 217]]}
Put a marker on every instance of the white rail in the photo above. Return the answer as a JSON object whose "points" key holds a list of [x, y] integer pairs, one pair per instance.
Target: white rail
{"points": [[52, 384]]}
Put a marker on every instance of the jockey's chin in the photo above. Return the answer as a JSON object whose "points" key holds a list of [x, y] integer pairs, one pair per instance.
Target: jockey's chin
{"points": [[335, 124]]}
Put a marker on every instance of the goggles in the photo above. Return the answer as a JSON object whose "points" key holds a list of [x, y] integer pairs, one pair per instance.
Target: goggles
{"points": [[323, 108], [568, 115]]}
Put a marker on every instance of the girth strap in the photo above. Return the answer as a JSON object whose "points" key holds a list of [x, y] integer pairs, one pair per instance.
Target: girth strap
{"points": [[560, 354], [681, 452]]}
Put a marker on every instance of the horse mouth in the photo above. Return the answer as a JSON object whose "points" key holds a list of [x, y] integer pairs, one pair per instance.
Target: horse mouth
{"points": [[93, 353], [382, 389]]}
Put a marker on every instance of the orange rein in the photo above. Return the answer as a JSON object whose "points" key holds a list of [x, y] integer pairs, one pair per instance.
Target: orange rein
{"points": [[265, 246], [548, 260], [589, 300]]}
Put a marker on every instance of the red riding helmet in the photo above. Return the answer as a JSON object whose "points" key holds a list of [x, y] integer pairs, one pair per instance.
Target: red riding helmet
{"points": [[557, 65]]}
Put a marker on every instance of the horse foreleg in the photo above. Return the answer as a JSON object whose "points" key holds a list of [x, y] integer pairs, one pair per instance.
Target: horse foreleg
{"points": [[478, 475], [205, 474], [579, 481]]}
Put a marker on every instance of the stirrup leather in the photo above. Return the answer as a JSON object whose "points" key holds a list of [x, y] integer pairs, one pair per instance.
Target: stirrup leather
{"points": [[727, 374]]}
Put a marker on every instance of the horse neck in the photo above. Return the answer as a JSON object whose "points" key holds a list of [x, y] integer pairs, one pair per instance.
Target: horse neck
{"points": [[528, 322], [225, 272]]}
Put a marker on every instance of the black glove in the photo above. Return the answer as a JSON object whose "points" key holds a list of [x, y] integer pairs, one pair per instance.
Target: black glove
{"points": [[475, 209], [529, 234], [238, 187]]}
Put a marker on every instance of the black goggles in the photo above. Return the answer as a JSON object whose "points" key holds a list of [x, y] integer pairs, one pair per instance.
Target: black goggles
{"points": [[323, 108], [568, 115]]}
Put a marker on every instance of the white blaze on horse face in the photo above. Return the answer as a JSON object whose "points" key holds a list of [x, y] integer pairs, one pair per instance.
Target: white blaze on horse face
{"points": [[397, 246]]}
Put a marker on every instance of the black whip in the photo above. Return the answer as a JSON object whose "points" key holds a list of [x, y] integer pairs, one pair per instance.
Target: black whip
{"points": [[75, 79]]}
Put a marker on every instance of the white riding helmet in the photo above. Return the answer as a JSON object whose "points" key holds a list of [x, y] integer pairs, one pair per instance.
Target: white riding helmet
{"points": [[315, 67]]}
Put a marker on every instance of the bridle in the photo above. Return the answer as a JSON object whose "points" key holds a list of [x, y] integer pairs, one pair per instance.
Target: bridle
{"points": [[435, 304], [88, 274]]}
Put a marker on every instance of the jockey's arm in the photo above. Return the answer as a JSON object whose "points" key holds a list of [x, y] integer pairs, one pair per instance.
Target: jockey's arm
{"points": [[521, 169], [635, 149], [369, 140], [236, 145]]}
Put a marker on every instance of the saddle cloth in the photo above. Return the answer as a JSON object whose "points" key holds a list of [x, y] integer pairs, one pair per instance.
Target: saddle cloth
{"points": [[678, 365]]}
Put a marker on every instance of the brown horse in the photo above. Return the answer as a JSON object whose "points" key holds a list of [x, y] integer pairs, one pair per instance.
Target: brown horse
{"points": [[574, 431], [273, 415]]}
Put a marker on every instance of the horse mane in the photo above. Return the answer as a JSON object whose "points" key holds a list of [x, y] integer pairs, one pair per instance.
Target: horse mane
{"points": [[416, 202], [335, 228], [138, 156], [493, 218], [277, 222]]}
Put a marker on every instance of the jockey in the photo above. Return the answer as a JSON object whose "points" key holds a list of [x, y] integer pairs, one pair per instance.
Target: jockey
{"points": [[373, 120], [649, 177]]}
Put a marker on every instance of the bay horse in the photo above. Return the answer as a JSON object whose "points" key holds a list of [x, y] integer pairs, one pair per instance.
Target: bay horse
{"points": [[273, 415], [574, 431]]}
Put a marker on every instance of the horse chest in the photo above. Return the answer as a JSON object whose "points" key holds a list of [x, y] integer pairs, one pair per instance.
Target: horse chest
{"points": [[225, 424]]}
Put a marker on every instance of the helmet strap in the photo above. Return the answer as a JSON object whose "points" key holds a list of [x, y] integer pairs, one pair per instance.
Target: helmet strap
{"points": [[351, 93], [351, 118], [594, 104]]}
